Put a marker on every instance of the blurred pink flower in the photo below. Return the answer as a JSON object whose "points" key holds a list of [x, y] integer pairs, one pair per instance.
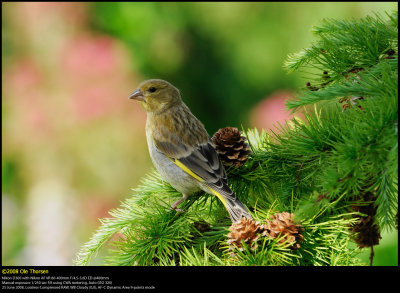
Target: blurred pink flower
{"points": [[92, 102], [23, 89], [93, 72], [86, 57], [271, 111], [65, 75], [23, 77]]}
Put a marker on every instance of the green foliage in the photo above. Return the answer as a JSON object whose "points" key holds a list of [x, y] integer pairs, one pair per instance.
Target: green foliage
{"points": [[215, 56], [358, 146], [354, 56], [151, 234], [317, 169]]}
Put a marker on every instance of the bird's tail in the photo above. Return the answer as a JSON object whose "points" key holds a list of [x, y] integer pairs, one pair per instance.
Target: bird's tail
{"points": [[233, 205], [236, 210]]}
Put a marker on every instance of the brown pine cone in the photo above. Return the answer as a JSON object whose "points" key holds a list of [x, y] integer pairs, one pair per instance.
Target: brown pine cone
{"points": [[231, 146], [366, 231], [282, 224], [246, 230], [202, 226]]}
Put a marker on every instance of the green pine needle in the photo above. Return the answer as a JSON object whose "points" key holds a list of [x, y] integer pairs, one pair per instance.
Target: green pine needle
{"points": [[319, 168]]}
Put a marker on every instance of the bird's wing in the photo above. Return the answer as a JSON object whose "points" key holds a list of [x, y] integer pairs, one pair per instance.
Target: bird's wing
{"points": [[201, 162]]}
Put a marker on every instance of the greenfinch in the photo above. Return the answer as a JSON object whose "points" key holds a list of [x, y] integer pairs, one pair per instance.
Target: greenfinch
{"points": [[181, 149]]}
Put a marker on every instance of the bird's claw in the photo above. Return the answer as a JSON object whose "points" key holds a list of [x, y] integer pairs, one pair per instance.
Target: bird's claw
{"points": [[178, 210]]}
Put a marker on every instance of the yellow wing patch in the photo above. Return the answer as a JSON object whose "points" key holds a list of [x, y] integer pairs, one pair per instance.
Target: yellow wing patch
{"points": [[187, 170], [218, 195], [198, 178]]}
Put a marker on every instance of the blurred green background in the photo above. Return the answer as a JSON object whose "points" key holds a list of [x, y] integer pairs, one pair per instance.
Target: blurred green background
{"points": [[73, 144]]}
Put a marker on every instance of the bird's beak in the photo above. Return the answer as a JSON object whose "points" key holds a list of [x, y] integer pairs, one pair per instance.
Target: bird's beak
{"points": [[137, 95]]}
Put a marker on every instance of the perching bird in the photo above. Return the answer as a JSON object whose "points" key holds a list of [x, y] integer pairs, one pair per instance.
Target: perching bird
{"points": [[181, 149]]}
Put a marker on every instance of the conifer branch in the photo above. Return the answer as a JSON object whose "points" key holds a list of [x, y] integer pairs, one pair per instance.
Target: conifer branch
{"points": [[336, 171]]}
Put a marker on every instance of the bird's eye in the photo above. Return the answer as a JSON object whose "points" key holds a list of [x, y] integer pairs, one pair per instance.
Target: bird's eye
{"points": [[152, 89]]}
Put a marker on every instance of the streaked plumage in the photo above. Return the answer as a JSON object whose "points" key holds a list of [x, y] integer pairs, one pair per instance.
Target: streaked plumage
{"points": [[181, 149]]}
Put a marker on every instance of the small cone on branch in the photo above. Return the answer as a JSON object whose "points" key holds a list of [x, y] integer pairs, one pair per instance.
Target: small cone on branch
{"points": [[231, 146], [246, 230], [202, 226], [282, 225], [366, 231]]}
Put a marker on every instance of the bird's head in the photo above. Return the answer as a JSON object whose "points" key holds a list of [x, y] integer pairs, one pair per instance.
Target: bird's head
{"points": [[156, 95]]}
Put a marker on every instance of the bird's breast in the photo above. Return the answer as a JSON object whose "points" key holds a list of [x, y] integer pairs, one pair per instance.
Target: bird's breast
{"points": [[170, 172]]}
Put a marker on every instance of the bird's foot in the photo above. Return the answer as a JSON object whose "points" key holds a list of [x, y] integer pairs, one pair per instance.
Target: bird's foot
{"points": [[178, 210], [174, 206]]}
